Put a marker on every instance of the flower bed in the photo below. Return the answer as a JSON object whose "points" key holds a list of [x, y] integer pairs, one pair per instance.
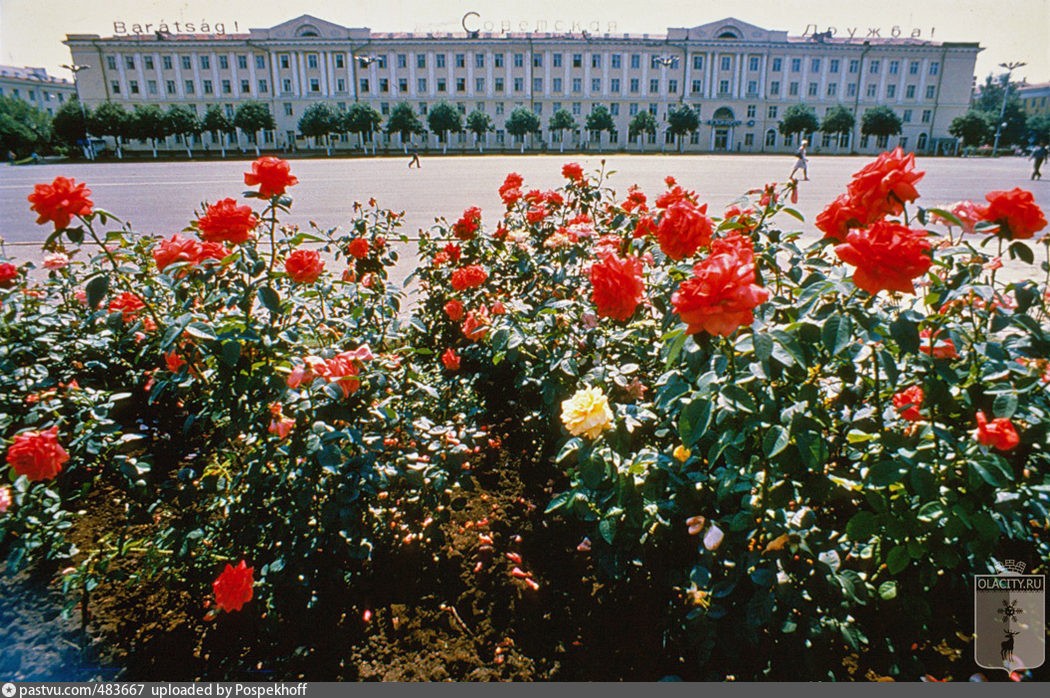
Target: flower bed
{"points": [[793, 458]]}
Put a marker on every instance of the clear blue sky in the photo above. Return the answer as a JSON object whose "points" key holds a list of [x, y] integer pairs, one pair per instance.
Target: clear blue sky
{"points": [[31, 31]]}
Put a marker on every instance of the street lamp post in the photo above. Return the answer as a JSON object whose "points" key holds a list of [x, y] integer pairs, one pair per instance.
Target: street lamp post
{"points": [[74, 68], [1010, 67]]}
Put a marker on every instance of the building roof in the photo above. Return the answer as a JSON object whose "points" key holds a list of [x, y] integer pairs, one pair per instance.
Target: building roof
{"points": [[32, 74]]}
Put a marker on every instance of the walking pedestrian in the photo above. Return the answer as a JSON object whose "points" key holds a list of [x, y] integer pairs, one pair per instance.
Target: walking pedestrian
{"points": [[1038, 156], [415, 158], [800, 162]]}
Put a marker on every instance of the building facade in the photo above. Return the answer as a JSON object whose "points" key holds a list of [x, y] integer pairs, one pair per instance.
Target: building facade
{"points": [[1035, 99], [35, 86], [739, 78]]}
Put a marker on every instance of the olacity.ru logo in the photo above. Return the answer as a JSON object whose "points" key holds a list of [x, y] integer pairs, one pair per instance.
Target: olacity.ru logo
{"points": [[1009, 618]]}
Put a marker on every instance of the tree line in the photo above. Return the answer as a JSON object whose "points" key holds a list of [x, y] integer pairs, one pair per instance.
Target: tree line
{"points": [[988, 113]]}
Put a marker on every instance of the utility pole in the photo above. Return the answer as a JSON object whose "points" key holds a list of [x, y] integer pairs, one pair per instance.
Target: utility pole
{"points": [[89, 150], [1010, 67]]}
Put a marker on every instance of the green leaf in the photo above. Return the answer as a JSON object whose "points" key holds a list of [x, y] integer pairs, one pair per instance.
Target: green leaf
{"points": [[231, 352], [775, 440], [97, 289], [270, 299], [200, 330], [676, 347], [888, 590], [1005, 405], [592, 470], [763, 346], [906, 334], [861, 527], [557, 502], [836, 333], [898, 559], [694, 420], [571, 446], [1022, 252], [607, 529]]}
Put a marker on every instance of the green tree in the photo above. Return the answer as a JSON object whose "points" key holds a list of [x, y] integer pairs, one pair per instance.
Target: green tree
{"points": [[600, 120], [319, 121], [184, 124], [521, 122], [560, 122], [840, 121], [404, 122], [24, 129], [880, 122], [682, 119], [69, 125], [362, 119], [218, 125], [148, 123], [798, 118], [642, 123], [442, 119], [1038, 126], [972, 128], [252, 117], [110, 119], [479, 123]]}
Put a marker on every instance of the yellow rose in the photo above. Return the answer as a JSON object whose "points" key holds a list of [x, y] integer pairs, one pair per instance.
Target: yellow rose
{"points": [[586, 412], [682, 453]]}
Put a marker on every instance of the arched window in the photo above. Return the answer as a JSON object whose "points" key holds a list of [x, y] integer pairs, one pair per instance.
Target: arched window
{"points": [[921, 143], [771, 137], [307, 30], [728, 33], [723, 113]]}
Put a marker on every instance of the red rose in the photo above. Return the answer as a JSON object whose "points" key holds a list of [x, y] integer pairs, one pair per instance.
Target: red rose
{"points": [[1015, 212], [536, 214], [476, 324], [8, 274], [127, 304], [453, 252], [440, 258], [454, 310], [358, 248], [883, 187], [468, 277], [273, 176], [468, 224], [684, 229], [617, 286], [839, 216], [225, 221], [173, 361], [999, 433], [673, 196], [940, 349], [176, 249], [645, 227], [37, 454], [887, 256], [510, 191], [635, 200], [233, 588], [451, 360], [572, 172], [721, 295], [553, 198], [59, 201], [212, 250], [908, 402], [304, 266]]}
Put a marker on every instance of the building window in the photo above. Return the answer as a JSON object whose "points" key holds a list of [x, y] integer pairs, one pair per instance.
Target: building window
{"points": [[614, 109], [814, 65], [147, 61], [129, 62], [402, 85], [421, 84], [497, 60], [245, 87], [872, 90], [577, 84], [854, 66], [165, 62], [698, 86], [384, 108], [205, 62], [774, 88], [851, 89], [338, 60], [479, 60], [263, 87], [556, 85], [921, 143], [882, 141], [315, 85], [537, 84], [556, 61], [864, 141], [672, 86], [286, 85], [771, 138], [364, 85], [793, 89], [190, 88], [440, 60], [909, 92], [461, 60], [421, 60], [895, 67], [913, 68], [812, 90], [596, 84], [479, 84], [151, 87], [229, 110], [778, 65], [934, 67], [260, 62], [577, 108], [402, 60], [698, 61], [381, 62], [384, 85], [133, 88], [169, 87], [227, 88], [654, 86], [186, 64], [891, 91], [926, 116], [636, 60], [873, 67], [752, 87], [833, 65], [634, 85], [519, 60], [753, 63], [461, 84], [749, 139], [206, 84], [796, 65], [616, 61], [242, 63], [614, 85], [519, 84], [498, 86], [288, 111], [833, 88], [723, 87], [632, 109], [751, 108], [577, 60], [931, 90], [727, 62]]}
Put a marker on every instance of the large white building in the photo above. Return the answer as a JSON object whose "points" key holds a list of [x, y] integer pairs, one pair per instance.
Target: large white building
{"points": [[35, 86], [739, 78]]}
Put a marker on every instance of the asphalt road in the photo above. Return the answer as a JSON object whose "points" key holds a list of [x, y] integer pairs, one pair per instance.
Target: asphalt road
{"points": [[161, 197]]}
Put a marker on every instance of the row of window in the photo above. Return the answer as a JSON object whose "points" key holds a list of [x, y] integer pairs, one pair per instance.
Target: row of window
{"points": [[31, 95], [190, 87], [576, 60]]}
